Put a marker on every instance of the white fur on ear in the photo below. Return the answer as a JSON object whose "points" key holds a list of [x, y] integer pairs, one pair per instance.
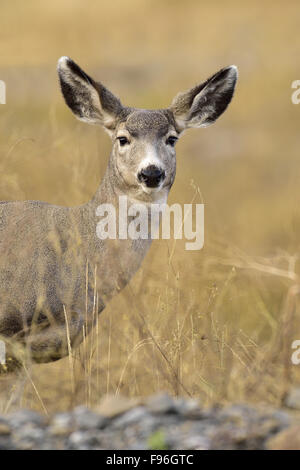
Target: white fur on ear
{"points": [[202, 105], [62, 61], [83, 95]]}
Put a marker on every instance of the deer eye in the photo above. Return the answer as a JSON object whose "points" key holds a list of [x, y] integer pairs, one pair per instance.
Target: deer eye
{"points": [[171, 140], [123, 141]]}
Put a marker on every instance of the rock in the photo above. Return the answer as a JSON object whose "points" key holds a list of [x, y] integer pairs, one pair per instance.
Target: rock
{"points": [[5, 429], [130, 417], [196, 443], [21, 417], [112, 405], [292, 399], [6, 444], [289, 439], [62, 424], [86, 419], [189, 409], [28, 436], [227, 438], [85, 440], [161, 403], [282, 418], [238, 414]]}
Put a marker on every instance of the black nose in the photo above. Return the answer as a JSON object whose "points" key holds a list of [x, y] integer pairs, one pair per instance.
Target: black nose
{"points": [[151, 176]]}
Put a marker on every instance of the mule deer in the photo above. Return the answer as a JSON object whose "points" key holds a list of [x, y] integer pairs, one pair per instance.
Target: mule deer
{"points": [[51, 259]]}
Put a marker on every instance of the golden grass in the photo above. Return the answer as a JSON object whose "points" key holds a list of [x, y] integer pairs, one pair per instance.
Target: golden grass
{"points": [[216, 324]]}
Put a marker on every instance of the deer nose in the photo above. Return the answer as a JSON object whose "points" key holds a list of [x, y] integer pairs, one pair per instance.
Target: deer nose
{"points": [[151, 176]]}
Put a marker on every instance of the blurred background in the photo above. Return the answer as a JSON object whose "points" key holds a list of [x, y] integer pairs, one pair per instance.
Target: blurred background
{"points": [[215, 324]]}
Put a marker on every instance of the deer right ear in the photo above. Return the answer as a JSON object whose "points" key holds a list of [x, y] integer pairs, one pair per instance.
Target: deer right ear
{"points": [[202, 105], [90, 101]]}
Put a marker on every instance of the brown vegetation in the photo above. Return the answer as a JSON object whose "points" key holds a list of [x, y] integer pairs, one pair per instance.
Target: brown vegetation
{"points": [[215, 324]]}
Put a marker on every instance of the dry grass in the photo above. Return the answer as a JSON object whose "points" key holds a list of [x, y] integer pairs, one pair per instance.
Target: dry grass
{"points": [[216, 324]]}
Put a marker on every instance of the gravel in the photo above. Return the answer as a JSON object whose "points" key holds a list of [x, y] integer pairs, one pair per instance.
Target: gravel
{"points": [[159, 422]]}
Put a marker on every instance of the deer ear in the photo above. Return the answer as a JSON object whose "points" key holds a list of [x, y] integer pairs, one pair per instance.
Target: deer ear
{"points": [[203, 104], [90, 101]]}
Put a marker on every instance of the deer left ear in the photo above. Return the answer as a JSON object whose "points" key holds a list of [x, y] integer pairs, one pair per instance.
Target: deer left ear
{"points": [[89, 100], [202, 105]]}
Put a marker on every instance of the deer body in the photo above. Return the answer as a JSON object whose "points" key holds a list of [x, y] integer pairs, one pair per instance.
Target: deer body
{"points": [[60, 252], [52, 263]]}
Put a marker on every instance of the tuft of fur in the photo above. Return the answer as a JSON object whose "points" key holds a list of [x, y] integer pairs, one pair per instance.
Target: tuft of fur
{"points": [[203, 104], [90, 101]]}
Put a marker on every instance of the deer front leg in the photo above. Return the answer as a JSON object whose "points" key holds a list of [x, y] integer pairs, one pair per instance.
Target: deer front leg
{"points": [[54, 341], [42, 342]]}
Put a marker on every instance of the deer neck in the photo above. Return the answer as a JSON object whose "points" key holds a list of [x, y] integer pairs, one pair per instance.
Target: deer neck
{"points": [[117, 259]]}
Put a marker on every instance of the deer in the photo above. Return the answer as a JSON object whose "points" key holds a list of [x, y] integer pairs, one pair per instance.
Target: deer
{"points": [[51, 260]]}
